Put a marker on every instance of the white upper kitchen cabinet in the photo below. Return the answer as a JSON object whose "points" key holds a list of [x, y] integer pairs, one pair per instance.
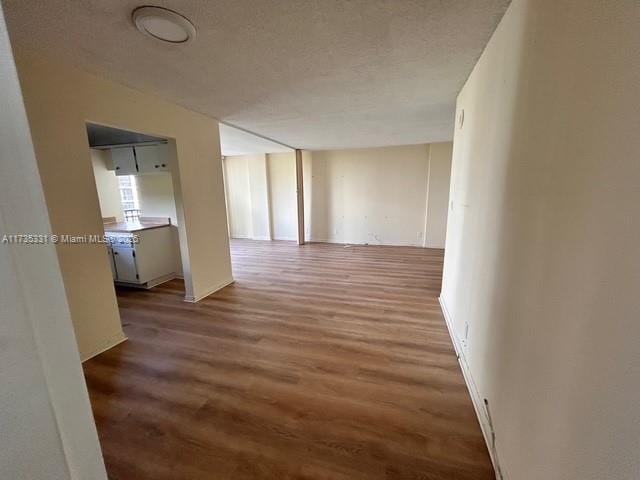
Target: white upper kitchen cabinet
{"points": [[124, 161], [152, 158]]}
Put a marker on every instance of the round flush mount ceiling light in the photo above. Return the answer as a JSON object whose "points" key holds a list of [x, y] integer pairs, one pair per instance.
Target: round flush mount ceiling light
{"points": [[164, 24]]}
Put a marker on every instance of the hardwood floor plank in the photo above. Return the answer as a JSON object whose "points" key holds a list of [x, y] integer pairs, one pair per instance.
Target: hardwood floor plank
{"points": [[320, 362]]}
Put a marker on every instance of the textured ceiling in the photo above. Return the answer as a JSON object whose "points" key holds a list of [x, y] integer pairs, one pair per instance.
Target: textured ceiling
{"points": [[308, 73], [237, 142]]}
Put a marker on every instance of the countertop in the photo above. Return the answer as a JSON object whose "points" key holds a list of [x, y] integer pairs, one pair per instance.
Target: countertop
{"points": [[131, 227]]}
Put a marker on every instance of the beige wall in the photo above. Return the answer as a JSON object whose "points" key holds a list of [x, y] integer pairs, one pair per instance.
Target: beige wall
{"points": [[543, 238], [106, 185], [156, 196], [157, 199], [281, 168], [307, 181], [57, 110], [259, 193], [248, 196], [438, 180], [238, 196], [47, 430], [375, 195], [378, 195]]}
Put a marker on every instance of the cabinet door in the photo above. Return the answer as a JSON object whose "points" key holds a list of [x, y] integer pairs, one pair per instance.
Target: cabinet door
{"points": [[152, 158], [124, 161], [111, 264], [125, 261]]}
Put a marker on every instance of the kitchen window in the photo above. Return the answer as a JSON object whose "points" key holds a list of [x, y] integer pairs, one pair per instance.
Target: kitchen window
{"points": [[129, 197]]}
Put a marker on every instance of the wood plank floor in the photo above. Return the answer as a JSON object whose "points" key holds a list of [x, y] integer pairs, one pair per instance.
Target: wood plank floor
{"points": [[319, 362]]}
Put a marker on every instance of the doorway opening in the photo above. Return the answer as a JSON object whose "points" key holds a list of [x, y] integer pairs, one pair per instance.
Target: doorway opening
{"points": [[134, 182]]}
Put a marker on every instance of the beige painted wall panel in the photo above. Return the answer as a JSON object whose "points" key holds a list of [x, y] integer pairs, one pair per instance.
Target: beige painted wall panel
{"points": [[157, 199], [238, 196], [543, 242], [248, 196], [106, 185], [259, 192], [367, 196], [438, 194], [57, 111], [374, 196], [156, 196], [282, 193], [307, 186]]}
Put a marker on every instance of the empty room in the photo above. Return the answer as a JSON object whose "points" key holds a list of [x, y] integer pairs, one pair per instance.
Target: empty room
{"points": [[351, 239]]}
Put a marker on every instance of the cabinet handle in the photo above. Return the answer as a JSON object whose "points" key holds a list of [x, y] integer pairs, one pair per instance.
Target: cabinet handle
{"points": [[156, 166], [117, 168], [115, 253], [164, 164]]}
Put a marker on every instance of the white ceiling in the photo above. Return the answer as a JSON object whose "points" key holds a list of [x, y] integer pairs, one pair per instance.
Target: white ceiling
{"points": [[312, 74]]}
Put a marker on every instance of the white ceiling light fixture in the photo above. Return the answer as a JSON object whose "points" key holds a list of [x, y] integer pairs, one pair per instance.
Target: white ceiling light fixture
{"points": [[164, 24]]}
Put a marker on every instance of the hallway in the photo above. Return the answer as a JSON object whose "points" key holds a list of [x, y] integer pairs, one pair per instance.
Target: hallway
{"points": [[320, 361]]}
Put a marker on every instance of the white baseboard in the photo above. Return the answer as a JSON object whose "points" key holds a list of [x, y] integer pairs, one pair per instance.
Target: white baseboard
{"points": [[108, 346], [151, 283], [160, 280], [192, 299], [476, 398], [259, 237], [361, 244], [317, 240]]}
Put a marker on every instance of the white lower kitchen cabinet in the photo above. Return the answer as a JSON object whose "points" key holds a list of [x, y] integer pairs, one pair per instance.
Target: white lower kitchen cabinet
{"points": [[145, 263], [111, 262], [124, 260]]}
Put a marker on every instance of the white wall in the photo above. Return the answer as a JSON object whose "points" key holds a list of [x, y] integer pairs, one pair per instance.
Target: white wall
{"points": [[543, 238], [282, 195], [106, 185], [47, 430], [438, 182], [375, 195]]}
